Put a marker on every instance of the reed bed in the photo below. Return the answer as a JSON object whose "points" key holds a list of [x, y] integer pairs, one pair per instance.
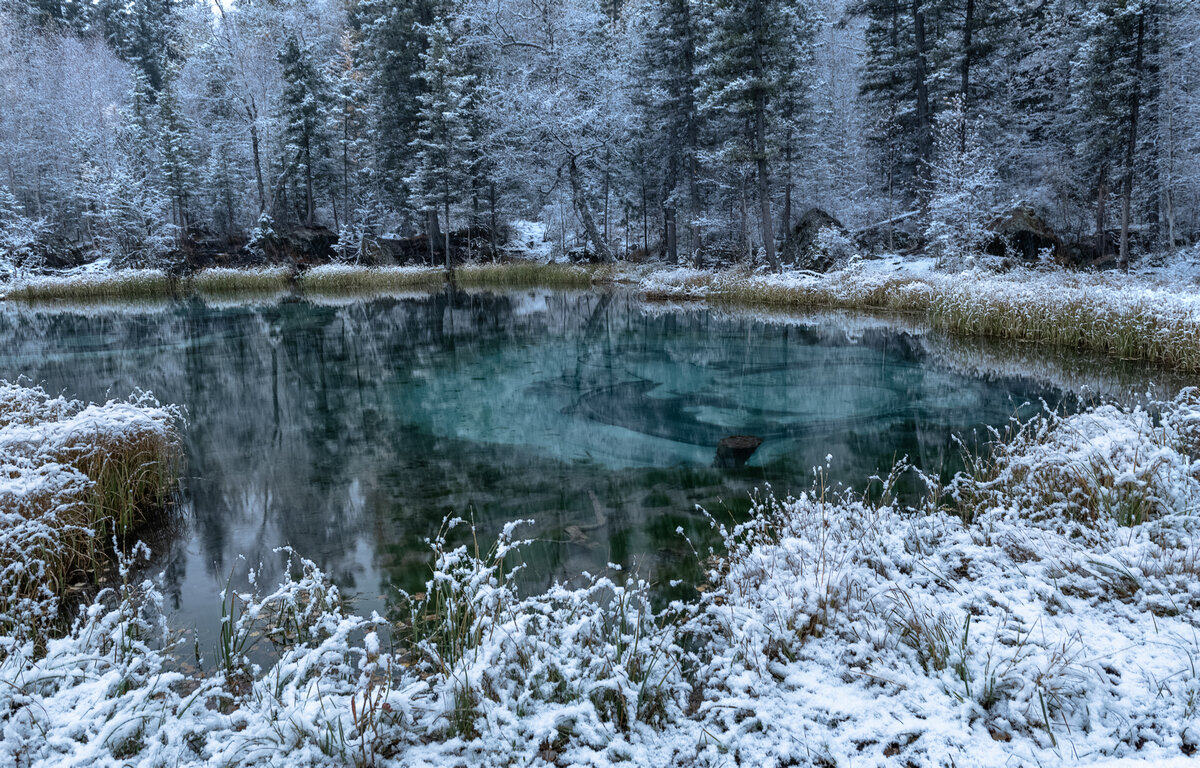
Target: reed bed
{"points": [[529, 275], [346, 278], [1129, 320], [124, 284], [73, 477], [223, 280]]}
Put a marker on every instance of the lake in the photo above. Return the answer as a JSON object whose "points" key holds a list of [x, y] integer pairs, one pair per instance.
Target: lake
{"points": [[351, 429]]}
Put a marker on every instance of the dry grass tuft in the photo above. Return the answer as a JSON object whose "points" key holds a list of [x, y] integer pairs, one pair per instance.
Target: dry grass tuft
{"points": [[340, 279], [121, 284], [72, 477], [527, 275], [219, 280]]}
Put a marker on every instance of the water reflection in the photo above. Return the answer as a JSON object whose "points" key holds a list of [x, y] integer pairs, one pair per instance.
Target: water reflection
{"points": [[349, 432]]}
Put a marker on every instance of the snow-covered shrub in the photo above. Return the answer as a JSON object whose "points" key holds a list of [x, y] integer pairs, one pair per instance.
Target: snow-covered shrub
{"points": [[964, 186], [587, 660], [262, 234], [1112, 464], [835, 244], [18, 234]]}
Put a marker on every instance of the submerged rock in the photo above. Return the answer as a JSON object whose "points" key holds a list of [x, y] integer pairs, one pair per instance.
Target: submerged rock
{"points": [[734, 451]]}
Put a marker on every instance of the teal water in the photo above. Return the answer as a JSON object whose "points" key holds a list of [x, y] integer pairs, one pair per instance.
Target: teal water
{"points": [[350, 431]]}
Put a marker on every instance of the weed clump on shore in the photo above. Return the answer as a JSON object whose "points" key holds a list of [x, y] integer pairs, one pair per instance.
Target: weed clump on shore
{"points": [[528, 275], [126, 284], [72, 477], [223, 280], [1132, 321], [352, 279]]}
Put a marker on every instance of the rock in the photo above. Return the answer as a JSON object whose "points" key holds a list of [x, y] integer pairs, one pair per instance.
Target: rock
{"points": [[311, 244], [734, 451], [801, 248], [1085, 253], [1022, 232]]}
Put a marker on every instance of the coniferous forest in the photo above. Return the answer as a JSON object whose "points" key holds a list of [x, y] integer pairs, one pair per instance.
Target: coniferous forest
{"points": [[144, 130]]}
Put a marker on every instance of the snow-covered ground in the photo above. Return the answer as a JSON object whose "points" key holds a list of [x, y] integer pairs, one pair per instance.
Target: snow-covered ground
{"points": [[1040, 612]]}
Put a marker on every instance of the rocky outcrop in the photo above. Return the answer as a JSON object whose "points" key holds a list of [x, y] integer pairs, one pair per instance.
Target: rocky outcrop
{"points": [[1021, 232]]}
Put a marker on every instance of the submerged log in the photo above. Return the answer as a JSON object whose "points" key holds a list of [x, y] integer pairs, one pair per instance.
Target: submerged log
{"points": [[734, 451]]}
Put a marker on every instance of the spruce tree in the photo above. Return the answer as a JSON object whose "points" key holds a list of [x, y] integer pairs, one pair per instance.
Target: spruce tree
{"points": [[1108, 83], [443, 147], [753, 52], [304, 102], [393, 42], [176, 153]]}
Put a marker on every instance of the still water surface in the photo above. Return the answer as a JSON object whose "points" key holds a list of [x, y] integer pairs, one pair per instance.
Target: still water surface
{"points": [[349, 431]]}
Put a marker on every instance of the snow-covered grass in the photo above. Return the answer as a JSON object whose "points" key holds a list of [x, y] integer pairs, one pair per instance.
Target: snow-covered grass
{"points": [[1040, 610], [219, 280], [72, 476], [530, 275], [1137, 318], [347, 278], [88, 286]]}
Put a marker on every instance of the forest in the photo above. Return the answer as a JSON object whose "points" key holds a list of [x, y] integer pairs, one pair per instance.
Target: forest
{"points": [[147, 131]]}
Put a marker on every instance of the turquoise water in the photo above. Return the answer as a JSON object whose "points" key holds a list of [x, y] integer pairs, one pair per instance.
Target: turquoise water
{"points": [[350, 431]]}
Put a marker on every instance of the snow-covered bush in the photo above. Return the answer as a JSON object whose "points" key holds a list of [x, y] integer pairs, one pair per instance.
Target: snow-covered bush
{"points": [[1110, 465], [18, 234], [588, 660], [835, 244]]}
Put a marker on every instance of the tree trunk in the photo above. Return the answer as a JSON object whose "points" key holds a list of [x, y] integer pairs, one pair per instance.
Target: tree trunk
{"points": [[585, 213], [449, 267], [1131, 146], [308, 187], [1101, 199], [920, 75], [966, 72], [760, 150], [672, 243], [492, 226], [435, 234], [258, 177], [764, 183]]}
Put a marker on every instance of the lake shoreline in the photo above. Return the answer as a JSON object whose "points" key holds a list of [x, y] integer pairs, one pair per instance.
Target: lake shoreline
{"points": [[1132, 317]]}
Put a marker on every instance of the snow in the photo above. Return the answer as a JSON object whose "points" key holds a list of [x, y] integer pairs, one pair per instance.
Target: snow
{"points": [[529, 241], [1029, 629]]}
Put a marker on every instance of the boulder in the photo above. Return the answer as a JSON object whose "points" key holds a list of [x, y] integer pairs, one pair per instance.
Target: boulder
{"points": [[1023, 233], [800, 247], [735, 450]]}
